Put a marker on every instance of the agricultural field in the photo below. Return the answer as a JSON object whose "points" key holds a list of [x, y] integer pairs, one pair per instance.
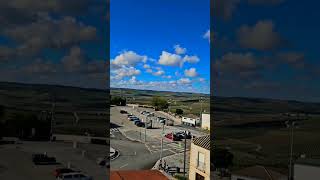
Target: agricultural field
{"points": [[255, 131]]}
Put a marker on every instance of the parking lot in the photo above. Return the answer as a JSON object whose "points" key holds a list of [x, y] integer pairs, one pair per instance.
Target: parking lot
{"points": [[135, 142], [16, 160]]}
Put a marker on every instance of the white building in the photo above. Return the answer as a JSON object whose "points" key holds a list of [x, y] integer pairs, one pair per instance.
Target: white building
{"points": [[190, 120], [199, 166], [205, 121], [306, 169]]}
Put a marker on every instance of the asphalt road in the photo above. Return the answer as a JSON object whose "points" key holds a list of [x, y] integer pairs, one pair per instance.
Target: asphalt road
{"points": [[16, 162]]}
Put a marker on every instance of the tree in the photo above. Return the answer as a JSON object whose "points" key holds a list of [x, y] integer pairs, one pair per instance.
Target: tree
{"points": [[179, 111], [119, 101], [160, 103], [222, 159]]}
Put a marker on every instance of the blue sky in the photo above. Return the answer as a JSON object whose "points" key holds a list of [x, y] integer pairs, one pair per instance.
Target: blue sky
{"points": [[143, 30], [62, 43], [266, 48]]}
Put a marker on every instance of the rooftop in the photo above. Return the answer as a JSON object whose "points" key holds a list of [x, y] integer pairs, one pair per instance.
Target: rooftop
{"points": [[260, 172], [203, 141], [137, 175]]}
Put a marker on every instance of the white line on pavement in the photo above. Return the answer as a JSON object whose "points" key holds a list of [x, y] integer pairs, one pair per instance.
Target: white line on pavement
{"points": [[123, 166]]}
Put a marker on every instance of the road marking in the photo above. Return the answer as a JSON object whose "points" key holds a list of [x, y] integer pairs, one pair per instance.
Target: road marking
{"points": [[123, 166]]}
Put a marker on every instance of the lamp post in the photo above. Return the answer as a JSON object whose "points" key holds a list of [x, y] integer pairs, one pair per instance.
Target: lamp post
{"points": [[161, 144]]}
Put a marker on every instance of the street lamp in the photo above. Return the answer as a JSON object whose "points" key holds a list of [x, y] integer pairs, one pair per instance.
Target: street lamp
{"points": [[292, 123]]}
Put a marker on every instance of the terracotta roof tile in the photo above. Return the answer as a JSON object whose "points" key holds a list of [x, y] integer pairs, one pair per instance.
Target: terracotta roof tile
{"points": [[137, 175]]}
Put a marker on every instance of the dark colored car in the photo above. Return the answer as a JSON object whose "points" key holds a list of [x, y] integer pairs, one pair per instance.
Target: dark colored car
{"points": [[182, 135], [60, 171], [43, 159], [140, 124], [136, 121], [123, 112]]}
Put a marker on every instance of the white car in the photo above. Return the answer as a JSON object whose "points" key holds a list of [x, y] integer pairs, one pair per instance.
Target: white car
{"points": [[74, 176]]}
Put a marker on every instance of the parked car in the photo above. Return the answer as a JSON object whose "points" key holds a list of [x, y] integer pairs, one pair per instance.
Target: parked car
{"points": [[43, 159], [57, 172], [123, 112], [162, 121], [129, 115], [133, 118], [181, 135], [140, 124], [74, 176], [136, 121], [172, 137]]}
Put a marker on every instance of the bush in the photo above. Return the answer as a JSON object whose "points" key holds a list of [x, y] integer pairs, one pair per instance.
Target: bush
{"points": [[179, 111]]}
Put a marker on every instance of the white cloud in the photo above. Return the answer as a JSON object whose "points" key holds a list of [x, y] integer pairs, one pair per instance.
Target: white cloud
{"points": [[129, 58], [191, 59], [192, 72], [201, 79], [125, 72], [146, 66], [184, 81], [158, 73], [179, 50], [207, 35], [168, 77], [170, 59]]}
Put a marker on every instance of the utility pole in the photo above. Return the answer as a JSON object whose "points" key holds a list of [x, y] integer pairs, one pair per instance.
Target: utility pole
{"points": [[184, 153], [291, 151], [161, 144], [52, 118], [145, 129]]}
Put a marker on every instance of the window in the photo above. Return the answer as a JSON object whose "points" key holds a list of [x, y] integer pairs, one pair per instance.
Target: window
{"points": [[199, 177], [201, 161]]}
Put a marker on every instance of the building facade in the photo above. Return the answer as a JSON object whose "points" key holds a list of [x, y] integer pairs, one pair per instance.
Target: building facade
{"points": [[205, 121], [190, 120], [199, 167]]}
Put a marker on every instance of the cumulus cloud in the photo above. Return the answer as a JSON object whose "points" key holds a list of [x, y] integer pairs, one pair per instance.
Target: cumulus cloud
{"points": [[207, 35], [158, 73], [129, 58], [184, 81], [261, 36], [295, 59], [179, 50], [169, 59], [225, 8], [238, 64], [75, 60], [146, 66], [125, 72], [192, 72], [191, 59], [49, 33]]}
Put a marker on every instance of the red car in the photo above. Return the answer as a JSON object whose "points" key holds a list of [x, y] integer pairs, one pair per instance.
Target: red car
{"points": [[60, 171], [172, 137]]}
